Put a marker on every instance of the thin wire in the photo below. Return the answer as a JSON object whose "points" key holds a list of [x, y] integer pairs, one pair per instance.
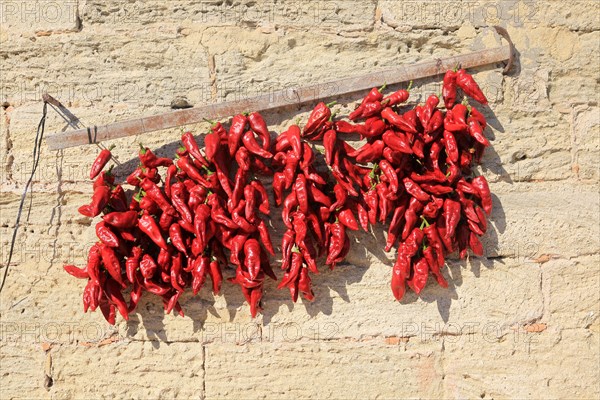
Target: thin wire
{"points": [[36, 159]]}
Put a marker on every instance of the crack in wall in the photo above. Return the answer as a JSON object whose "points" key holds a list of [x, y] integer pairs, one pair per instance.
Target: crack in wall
{"points": [[10, 159], [57, 209], [203, 371]]}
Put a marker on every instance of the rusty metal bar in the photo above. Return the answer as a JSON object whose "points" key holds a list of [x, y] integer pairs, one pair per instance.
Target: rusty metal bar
{"points": [[276, 100]]}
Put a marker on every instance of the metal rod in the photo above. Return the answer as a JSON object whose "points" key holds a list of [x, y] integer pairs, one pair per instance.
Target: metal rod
{"points": [[276, 100]]}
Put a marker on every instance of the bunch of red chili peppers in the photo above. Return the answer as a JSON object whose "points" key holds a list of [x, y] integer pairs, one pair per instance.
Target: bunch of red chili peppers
{"points": [[207, 209]]}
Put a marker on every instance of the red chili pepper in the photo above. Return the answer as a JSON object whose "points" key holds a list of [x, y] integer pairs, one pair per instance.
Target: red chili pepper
{"points": [[433, 126], [430, 106], [93, 264], [304, 284], [462, 239], [148, 266], [78, 273], [176, 236], [100, 162], [400, 273], [279, 179], [100, 200], [250, 198], [476, 115], [154, 193], [336, 242], [258, 125], [264, 206], [221, 164], [178, 198], [411, 217], [441, 228], [469, 86], [287, 243], [415, 190], [190, 144], [434, 240], [236, 131], [389, 171], [420, 275], [239, 220], [436, 190], [318, 196], [106, 178], [121, 220], [216, 276], [290, 203], [398, 97], [481, 185], [348, 128], [374, 95], [413, 243], [319, 115], [252, 257], [476, 131], [397, 120], [451, 146], [375, 126], [187, 166], [346, 217], [106, 235], [218, 215], [369, 152], [111, 264], [385, 204], [115, 298], [301, 193], [133, 263], [291, 164], [372, 200], [148, 226], [212, 142], [253, 147], [241, 177], [242, 157], [418, 148], [150, 160], [452, 216], [394, 227], [449, 89]]}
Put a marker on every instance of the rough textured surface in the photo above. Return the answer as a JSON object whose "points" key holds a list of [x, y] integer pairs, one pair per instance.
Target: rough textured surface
{"points": [[521, 322]]}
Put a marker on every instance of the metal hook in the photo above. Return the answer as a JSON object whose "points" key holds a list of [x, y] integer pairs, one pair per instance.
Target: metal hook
{"points": [[504, 33]]}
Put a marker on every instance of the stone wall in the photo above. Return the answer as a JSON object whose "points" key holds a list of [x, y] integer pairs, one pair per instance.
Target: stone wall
{"points": [[521, 322]]}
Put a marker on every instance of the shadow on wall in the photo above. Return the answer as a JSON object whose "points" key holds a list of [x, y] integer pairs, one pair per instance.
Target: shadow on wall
{"points": [[364, 246]]}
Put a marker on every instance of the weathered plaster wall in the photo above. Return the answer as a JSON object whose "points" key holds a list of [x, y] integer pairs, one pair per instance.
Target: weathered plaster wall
{"points": [[519, 323]]}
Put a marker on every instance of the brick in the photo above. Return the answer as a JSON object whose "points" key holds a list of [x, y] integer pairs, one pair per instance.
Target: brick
{"points": [[233, 371], [486, 367], [571, 291]]}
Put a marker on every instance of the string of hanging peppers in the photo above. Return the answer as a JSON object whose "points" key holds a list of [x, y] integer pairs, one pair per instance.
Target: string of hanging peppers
{"points": [[207, 211]]}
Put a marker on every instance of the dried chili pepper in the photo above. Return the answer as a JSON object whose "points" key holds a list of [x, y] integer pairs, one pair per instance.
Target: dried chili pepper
{"points": [[469, 86], [100, 162]]}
